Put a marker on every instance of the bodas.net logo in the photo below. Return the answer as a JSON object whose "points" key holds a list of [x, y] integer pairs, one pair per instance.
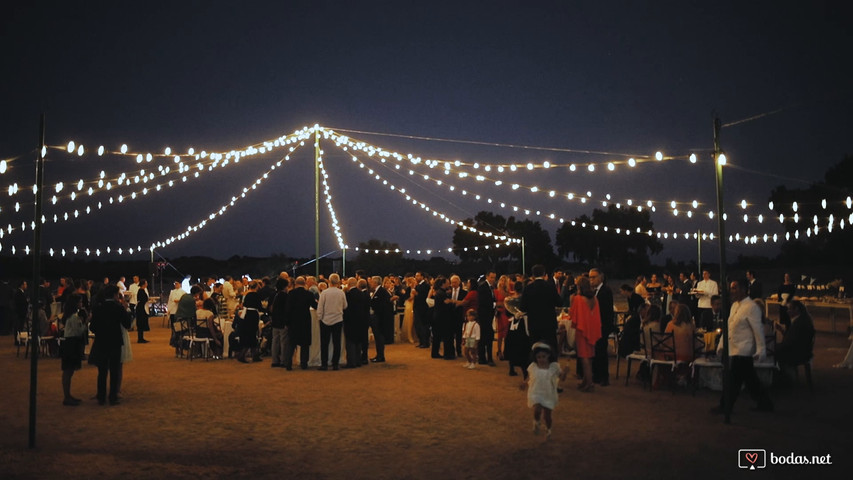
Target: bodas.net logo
{"points": [[752, 458]]}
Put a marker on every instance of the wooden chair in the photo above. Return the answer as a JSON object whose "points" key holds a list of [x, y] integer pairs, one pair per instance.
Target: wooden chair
{"points": [[203, 342], [662, 352], [180, 330], [642, 356]]}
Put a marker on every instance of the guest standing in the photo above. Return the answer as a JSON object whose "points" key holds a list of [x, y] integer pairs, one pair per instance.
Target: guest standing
{"points": [[746, 344], [540, 301], [73, 344], [141, 312], [299, 304], [421, 310], [356, 319], [107, 319], [601, 360], [278, 312], [381, 313], [586, 319], [485, 316], [330, 314]]}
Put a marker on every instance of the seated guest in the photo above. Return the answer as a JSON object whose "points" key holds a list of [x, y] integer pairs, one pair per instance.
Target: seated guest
{"points": [[651, 323], [205, 325], [630, 341], [797, 339], [635, 301], [673, 304], [712, 319], [683, 331]]}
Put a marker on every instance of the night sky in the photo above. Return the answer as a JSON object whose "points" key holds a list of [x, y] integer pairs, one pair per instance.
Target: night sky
{"points": [[620, 77]]}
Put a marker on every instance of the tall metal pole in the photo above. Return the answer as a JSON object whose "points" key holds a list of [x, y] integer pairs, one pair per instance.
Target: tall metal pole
{"points": [[317, 202], [34, 289], [699, 250], [523, 260], [344, 262], [724, 290]]}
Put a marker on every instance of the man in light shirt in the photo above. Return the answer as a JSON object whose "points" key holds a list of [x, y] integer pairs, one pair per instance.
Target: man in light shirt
{"points": [[330, 314], [174, 296], [705, 289], [746, 345]]}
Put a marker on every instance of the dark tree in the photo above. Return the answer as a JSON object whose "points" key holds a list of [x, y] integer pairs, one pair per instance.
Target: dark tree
{"points": [[814, 229], [616, 236]]}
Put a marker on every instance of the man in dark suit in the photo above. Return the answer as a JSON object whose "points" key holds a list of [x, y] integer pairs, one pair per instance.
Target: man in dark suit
{"points": [[753, 287], [356, 320], [713, 318], [485, 315], [601, 361], [382, 313], [457, 295], [420, 309], [107, 319], [797, 340], [298, 321], [540, 300]]}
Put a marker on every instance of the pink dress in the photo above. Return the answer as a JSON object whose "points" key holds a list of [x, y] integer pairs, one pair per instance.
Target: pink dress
{"points": [[587, 324], [502, 319]]}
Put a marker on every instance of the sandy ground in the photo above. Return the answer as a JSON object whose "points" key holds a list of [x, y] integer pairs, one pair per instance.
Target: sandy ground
{"points": [[413, 417]]}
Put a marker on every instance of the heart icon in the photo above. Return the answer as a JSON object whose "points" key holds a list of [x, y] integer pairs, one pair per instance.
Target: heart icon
{"points": [[751, 457]]}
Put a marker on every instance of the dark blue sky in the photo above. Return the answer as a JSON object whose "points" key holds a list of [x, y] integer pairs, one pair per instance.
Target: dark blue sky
{"points": [[607, 76]]}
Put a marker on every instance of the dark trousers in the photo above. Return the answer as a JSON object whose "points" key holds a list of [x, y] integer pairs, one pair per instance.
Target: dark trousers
{"points": [[487, 339], [333, 331], [743, 372], [353, 353], [448, 336], [290, 347], [601, 362], [436, 338], [112, 366], [421, 322], [378, 338], [458, 336]]}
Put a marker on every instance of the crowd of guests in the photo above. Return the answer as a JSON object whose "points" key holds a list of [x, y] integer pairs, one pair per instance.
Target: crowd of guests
{"points": [[485, 320]]}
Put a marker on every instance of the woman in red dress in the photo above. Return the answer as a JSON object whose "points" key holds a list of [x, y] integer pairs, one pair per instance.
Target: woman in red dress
{"points": [[586, 319]]}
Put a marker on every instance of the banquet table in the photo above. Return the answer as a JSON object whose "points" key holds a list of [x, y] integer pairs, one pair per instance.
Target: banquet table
{"points": [[832, 306]]}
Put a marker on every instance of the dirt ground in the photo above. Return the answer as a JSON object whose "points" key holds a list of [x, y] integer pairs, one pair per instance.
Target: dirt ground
{"points": [[413, 417]]}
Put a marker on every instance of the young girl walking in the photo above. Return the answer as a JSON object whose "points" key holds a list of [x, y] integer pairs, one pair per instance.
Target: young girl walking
{"points": [[543, 375], [470, 338]]}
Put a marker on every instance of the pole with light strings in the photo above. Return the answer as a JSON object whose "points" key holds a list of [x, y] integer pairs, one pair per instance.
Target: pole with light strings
{"points": [[34, 289], [719, 161], [317, 201]]}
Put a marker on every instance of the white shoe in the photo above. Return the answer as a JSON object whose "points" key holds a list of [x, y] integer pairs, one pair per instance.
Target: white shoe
{"points": [[471, 366], [467, 365], [536, 426], [548, 434]]}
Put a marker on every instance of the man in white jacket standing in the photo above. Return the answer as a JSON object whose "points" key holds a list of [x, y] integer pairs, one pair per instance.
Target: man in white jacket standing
{"points": [[330, 314]]}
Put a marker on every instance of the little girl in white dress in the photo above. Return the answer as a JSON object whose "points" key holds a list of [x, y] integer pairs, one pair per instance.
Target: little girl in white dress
{"points": [[543, 376]]}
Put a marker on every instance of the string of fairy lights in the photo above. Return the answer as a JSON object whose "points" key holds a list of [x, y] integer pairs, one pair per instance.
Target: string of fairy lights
{"points": [[452, 168], [736, 237], [174, 168]]}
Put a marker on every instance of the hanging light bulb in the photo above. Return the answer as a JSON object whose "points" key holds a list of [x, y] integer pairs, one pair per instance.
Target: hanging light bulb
{"points": [[692, 158]]}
